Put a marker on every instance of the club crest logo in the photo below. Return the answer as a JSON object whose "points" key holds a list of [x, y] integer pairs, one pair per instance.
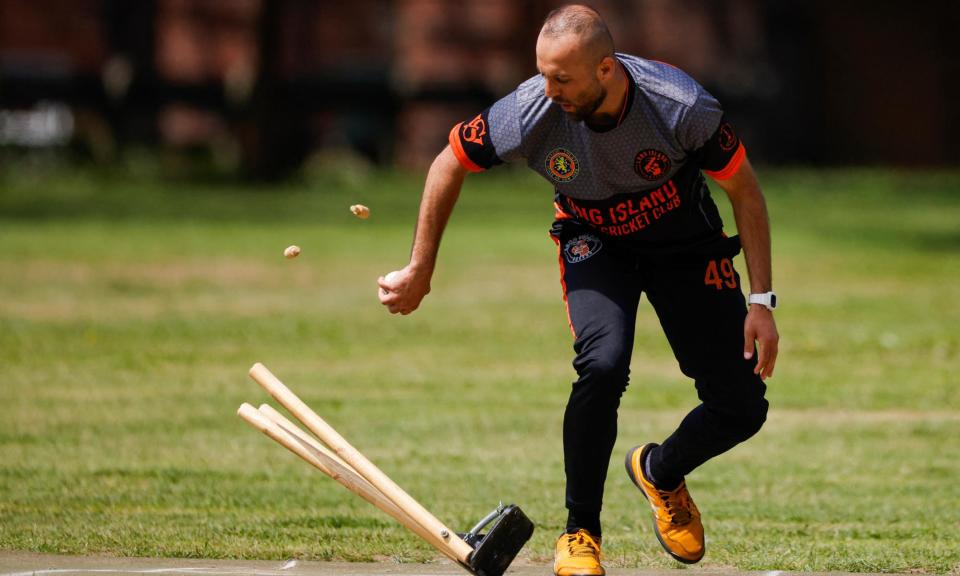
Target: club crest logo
{"points": [[581, 247], [651, 164], [562, 166], [727, 137], [475, 130]]}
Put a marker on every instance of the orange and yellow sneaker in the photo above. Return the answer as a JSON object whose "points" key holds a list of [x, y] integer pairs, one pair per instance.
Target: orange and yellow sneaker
{"points": [[676, 520], [578, 555]]}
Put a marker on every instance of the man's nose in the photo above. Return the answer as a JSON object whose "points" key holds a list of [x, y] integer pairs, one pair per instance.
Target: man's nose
{"points": [[550, 90]]}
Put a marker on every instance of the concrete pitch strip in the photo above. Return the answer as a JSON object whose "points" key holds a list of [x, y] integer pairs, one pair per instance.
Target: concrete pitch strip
{"points": [[29, 564]]}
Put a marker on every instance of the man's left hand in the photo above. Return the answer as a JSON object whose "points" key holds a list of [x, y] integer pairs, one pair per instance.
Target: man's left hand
{"points": [[760, 327]]}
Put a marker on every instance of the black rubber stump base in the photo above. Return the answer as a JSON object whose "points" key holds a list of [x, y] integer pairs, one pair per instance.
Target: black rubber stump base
{"points": [[494, 551]]}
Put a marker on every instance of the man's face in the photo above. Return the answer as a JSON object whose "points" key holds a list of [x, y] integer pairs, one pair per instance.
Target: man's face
{"points": [[571, 76]]}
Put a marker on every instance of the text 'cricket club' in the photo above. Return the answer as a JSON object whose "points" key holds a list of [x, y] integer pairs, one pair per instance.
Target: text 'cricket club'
{"points": [[631, 215]]}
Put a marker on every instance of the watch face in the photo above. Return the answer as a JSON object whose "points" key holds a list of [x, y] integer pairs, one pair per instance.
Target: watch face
{"points": [[773, 300]]}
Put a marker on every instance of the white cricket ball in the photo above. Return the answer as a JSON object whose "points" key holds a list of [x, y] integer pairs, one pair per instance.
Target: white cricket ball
{"points": [[390, 277], [292, 251]]}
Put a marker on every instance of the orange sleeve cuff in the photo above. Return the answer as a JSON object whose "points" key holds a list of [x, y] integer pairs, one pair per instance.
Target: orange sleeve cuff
{"points": [[732, 166], [457, 148]]}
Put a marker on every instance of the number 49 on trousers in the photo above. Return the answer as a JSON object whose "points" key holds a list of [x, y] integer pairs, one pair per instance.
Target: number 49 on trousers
{"points": [[719, 274]]}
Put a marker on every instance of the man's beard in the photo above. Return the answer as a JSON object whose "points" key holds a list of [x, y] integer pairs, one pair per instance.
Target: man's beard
{"points": [[581, 113]]}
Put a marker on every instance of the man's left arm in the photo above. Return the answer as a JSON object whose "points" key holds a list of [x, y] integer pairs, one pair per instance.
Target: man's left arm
{"points": [[753, 226]]}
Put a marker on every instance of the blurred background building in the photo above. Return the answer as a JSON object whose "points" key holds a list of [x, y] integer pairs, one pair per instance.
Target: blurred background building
{"points": [[260, 86]]}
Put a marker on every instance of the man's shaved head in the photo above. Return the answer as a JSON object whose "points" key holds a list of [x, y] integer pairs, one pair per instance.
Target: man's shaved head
{"points": [[575, 57], [584, 24]]}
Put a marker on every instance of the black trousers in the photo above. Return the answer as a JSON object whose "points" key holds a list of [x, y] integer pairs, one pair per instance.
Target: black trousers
{"points": [[698, 300]]}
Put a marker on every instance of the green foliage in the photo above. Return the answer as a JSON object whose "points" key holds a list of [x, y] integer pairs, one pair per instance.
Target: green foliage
{"points": [[131, 309]]}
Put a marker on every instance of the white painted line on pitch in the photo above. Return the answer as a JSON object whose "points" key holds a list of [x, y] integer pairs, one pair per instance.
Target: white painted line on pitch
{"points": [[211, 571], [773, 573]]}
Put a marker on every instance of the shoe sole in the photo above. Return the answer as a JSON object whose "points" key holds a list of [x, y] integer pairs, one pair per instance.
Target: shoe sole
{"points": [[580, 573], [603, 572], [628, 463]]}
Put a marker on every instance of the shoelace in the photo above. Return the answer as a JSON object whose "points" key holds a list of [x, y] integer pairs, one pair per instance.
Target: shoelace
{"points": [[679, 509], [581, 547]]}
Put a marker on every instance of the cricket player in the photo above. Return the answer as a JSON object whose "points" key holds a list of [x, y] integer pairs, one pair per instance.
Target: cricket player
{"points": [[625, 143]]}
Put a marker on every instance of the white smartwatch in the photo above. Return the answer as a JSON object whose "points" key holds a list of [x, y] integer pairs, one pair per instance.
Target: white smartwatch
{"points": [[767, 299]]}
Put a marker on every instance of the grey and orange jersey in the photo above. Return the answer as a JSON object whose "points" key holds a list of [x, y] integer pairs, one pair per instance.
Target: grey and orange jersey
{"points": [[639, 182]]}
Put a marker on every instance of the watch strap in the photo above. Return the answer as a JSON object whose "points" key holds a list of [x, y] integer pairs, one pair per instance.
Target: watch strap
{"points": [[766, 299]]}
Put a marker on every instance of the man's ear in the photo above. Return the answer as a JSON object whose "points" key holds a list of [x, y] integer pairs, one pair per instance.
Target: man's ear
{"points": [[605, 68]]}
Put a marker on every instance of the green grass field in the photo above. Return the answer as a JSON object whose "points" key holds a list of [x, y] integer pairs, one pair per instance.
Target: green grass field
{"points": [[131, 310]]}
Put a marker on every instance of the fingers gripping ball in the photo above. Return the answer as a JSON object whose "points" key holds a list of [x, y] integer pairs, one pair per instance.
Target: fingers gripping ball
{"points": [[390, 277], [291, 251], [360, 211]]}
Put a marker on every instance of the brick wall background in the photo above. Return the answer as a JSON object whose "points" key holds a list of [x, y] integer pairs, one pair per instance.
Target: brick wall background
{"points": [[261, 85]]}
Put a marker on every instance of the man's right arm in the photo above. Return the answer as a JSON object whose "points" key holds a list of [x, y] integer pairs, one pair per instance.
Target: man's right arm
{"points": [[405, 290]]}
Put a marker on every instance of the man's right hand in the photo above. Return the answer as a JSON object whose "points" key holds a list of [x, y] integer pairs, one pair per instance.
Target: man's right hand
{"points": [[403, 291]]}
